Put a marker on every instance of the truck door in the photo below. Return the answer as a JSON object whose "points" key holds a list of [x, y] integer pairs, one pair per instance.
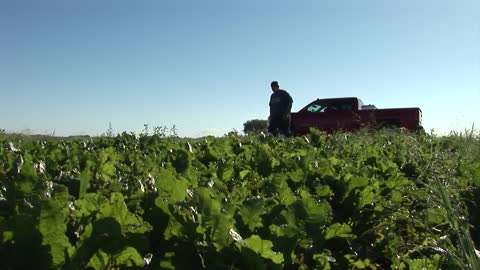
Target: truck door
{"points": [[340, 116], [327, 116]]}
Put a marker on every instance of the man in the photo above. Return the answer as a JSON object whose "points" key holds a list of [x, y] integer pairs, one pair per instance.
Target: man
{"points": [[280, 107]]}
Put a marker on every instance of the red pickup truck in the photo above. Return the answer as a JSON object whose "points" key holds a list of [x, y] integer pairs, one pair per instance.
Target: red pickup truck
{"points": [[350, 114]]}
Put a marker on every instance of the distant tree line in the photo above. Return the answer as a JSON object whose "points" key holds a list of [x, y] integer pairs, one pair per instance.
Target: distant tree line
{"points": [[255, 126]]}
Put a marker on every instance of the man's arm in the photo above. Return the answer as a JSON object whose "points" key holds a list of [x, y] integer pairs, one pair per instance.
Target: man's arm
{"points": [[289, 103]]}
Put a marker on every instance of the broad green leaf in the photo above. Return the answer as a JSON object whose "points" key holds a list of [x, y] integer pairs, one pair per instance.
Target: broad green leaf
{"points": [[285, 238], [218, 227], [217, 223], [285, 230], [334, 161], [317, 212], [285, 194], [52, 226], [129, 257], [9, 163], [88, 204], [339, 230], [226, 172], [106, 164], [323, 261], [397, 196], [325, 168], [436, 215], [7, 236], [396, 181], [174, 227], [27, 169], [206, 204], [251, 212], [367, 196], [28, 177], [181, 160], [118, 210], [358, 263], [354, 183], [244, 173], [85, 177], [170, 187], [180, 222], [324, 191], [99, 261], [264, 249], [297, 176], [289, 215]]}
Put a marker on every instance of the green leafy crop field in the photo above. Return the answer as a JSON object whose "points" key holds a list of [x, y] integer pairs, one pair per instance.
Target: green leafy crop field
{"points": [[366, 200]]}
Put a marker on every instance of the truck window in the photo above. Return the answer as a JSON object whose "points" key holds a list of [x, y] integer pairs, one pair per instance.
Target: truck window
{"points": [[317, 107], [320, 106], [342, 106]]}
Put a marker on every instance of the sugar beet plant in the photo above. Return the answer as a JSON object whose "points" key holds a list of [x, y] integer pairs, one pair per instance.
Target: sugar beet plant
{"points": [[383, 200]]}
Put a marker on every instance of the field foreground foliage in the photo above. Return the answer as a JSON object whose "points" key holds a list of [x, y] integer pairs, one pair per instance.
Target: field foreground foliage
{"points": [[368, 200]]}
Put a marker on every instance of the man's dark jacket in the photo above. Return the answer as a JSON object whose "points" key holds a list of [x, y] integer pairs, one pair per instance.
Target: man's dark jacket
{"points": [[280, 104]]}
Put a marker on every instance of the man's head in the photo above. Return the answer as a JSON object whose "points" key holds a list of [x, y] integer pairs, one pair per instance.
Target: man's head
{"points": [[274, 85]]}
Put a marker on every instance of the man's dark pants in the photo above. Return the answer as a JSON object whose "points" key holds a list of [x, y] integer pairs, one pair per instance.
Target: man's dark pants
{"points": [[279, 125]]}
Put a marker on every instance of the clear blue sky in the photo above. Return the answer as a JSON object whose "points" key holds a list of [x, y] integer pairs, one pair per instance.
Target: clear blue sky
{"points": [[71, 67]]}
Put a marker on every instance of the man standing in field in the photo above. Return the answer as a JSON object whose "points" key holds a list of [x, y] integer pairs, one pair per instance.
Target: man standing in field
{"points": [[280, 108]]}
